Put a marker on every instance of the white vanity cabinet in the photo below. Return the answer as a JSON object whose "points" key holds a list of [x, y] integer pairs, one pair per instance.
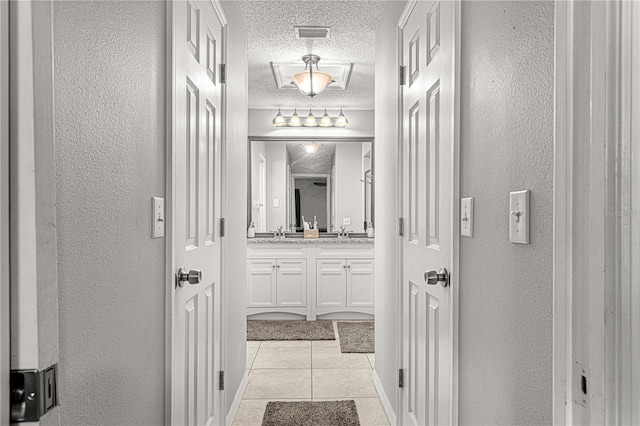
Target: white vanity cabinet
{"points": [[276, 283], [310, 278]]}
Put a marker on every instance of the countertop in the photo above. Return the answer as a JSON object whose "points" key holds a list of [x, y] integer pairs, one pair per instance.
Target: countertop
{"points": [[355, 240]]}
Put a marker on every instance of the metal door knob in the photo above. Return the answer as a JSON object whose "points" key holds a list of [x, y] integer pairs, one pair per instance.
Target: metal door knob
{"points": [[432, 277], [193, 276]]}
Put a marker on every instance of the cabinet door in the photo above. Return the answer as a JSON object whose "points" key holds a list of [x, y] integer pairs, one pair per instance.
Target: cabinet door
{"points": [[292, 282], [261, 282], [360, 284], [331, 282]]}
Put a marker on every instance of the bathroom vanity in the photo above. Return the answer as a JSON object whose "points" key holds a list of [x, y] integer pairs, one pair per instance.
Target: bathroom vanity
{"points": [[310, 277]]}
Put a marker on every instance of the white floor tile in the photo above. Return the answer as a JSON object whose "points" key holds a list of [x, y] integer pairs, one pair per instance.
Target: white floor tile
{"points": [[279, 383], [286, 344], [343, 383], [334, 358], [283, 358], [251, 356]]}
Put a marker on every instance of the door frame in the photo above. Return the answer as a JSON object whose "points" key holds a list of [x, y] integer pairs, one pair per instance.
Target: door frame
{"points": [[614, 76], [5, 342], [170, 207], [455, 212]]}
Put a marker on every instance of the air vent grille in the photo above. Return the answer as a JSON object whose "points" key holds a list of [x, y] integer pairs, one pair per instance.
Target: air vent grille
{"points": [[313, 32]]}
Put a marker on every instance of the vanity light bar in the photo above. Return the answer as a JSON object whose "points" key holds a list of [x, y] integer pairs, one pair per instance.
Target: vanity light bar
{"points": [[310, 120]]}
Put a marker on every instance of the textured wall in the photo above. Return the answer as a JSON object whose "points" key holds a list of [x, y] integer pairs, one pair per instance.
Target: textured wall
{"points": [[236, 199], [109, 135], [506, 145], [386, 213]]}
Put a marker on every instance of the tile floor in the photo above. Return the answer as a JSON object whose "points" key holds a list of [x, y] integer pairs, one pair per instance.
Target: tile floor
{"points": [[308, 370]]}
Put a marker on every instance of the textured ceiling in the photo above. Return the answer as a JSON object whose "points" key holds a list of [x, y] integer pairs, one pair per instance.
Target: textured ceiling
{"points": [[320, 162], [271, 39]]}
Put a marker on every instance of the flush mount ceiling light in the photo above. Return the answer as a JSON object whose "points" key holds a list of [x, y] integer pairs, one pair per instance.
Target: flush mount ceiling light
{"points": [[310, 147], [310, 121], [310, 82]]}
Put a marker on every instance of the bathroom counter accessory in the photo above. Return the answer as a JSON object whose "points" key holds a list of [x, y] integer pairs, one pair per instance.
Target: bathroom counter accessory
{"points": [[272, 240]]}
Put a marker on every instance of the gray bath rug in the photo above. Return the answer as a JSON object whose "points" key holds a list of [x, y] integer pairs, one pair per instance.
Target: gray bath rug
{"points": [[289, 330], [311, 413], [357, 337]]}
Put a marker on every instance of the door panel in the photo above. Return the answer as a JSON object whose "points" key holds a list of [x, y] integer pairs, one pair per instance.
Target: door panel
{"points": [[261, 283], [196, 206], [331, 282], [292, 282], [428, 143], [360, 284]]}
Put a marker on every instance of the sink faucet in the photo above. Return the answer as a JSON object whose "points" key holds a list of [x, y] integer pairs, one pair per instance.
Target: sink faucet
{"points": [[279, 234], [343, 233]]}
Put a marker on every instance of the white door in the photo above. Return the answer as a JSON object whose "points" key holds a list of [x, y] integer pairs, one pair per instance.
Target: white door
{"points": [[360, 284], [331, 282], [261, 283], [196, 192], [291, 282], [428, 113]]}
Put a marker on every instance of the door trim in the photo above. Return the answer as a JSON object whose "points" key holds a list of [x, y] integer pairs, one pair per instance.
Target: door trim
{"points": [[455, 211], [170, 90], [5, 341]]}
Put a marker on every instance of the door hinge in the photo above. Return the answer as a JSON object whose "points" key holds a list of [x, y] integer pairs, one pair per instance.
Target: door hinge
{"points": [[33, 393], [223, 73], [400, 378], [401, 79], [222, 227], [401, 227], [222, 380]]}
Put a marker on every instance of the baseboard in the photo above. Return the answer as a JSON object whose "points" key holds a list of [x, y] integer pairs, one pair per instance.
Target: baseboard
{"points": [[386, 402], [237, 398]]}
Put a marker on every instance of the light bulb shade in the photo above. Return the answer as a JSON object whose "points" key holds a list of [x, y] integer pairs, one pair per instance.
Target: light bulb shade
{"points": [[279, 120], [325, 121], [295, 120], [310, 148], [311, 82], [310, 121], [341, 121]]}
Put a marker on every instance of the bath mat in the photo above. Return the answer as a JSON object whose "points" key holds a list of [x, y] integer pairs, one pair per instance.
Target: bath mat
{"points": [[311, 413], [289, 330], [357, 337]]}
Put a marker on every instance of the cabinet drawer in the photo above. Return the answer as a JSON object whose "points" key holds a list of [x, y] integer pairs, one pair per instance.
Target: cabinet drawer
{"points": [[345, 251]]}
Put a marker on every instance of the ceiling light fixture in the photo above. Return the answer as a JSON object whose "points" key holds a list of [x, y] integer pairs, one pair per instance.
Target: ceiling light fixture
{"points": [[309, 82], [310, 147], [310, 121]]}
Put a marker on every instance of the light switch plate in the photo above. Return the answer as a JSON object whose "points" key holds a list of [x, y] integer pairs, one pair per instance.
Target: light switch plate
{"points": [[466, 217], [276, 202], [346, 221], [519, 217], [157, 217]]}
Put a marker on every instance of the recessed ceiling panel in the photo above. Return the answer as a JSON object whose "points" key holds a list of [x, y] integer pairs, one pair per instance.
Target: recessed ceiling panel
{"points": [[282, 72]]}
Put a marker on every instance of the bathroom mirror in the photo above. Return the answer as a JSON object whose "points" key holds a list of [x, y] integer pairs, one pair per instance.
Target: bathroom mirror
{"points": [[329, 182]]}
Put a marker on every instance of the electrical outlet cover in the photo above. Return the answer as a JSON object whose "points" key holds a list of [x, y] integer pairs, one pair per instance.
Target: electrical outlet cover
{"points": [[346, 221]]}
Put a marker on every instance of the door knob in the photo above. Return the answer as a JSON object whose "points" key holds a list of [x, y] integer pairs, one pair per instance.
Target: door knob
{"points": [[432, 277], [192, 277]]}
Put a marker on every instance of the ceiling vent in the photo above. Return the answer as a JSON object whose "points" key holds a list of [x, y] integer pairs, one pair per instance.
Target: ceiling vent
{"points": [[313, 32]]}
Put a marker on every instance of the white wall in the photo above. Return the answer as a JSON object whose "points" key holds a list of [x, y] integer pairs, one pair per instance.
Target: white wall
{"points": [[361, 124], [110, 160], [349, 189], [506, 289], [236, 199], [387, 198], [258, 149], [276, 185]]}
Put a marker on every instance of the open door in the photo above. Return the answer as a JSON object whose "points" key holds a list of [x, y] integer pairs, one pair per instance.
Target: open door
{"points": [[429, 244], [198, 45]]}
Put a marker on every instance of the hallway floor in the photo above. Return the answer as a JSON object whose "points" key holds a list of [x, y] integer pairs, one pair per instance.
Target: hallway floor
{"points": [[304, 370]]}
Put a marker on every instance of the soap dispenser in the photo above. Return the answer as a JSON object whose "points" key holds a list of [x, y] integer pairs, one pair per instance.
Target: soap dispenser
{"points": [[251, 232], [370, 231]]}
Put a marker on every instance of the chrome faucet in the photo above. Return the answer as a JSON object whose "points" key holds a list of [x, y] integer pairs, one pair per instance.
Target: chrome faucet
{"points": [[343, 233]]}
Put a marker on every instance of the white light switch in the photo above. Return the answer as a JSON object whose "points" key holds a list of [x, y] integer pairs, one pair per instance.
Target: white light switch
{"points": [[466, 217], [519, 217], [276, 202], [346, 221], [157, 217]]}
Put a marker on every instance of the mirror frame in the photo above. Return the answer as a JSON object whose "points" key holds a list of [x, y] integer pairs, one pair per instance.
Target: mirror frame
{"points": [[293, 139]]}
